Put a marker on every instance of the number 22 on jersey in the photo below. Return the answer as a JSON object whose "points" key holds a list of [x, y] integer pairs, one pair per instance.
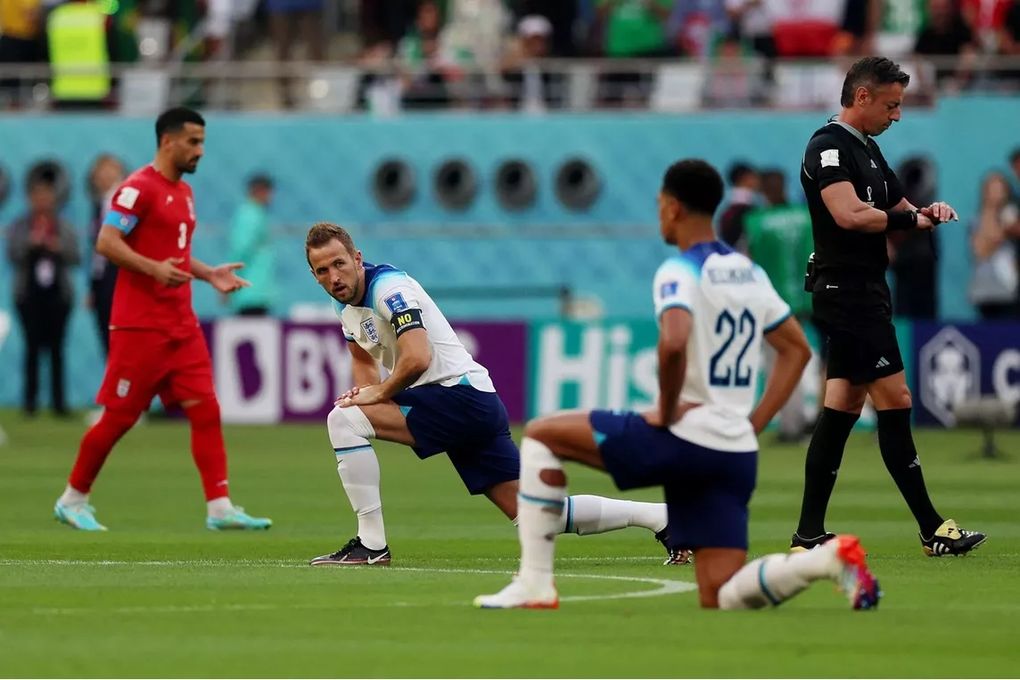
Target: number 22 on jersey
{"points": [[737, 333]]}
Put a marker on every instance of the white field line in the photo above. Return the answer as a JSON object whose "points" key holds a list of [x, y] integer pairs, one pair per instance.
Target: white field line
{"points": [[664, 586]]}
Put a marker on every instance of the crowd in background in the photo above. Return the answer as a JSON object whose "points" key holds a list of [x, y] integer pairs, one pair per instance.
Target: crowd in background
{"points": [[444, 52], [759, 219], [45, 251]]}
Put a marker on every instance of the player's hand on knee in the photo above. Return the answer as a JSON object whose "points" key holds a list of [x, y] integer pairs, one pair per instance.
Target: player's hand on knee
{"points": [[349, 394], [362, 396]]}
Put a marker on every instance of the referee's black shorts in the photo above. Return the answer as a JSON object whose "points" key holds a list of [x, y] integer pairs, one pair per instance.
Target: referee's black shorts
{"points": [[856, 320]]}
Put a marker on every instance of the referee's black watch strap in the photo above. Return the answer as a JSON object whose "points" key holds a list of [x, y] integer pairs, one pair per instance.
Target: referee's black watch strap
{"points": [[900, 220]]}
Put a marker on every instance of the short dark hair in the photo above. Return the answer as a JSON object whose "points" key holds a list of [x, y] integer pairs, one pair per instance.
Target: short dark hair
{"points": [[260, 180], [694, 183], [322, 233], [738, 171], [871, 72], [1015, 155], [46, 176], [174, 120]]}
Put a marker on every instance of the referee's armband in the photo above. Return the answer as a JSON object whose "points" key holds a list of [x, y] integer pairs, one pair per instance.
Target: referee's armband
{"points": [[407, 320], [900, 220]]}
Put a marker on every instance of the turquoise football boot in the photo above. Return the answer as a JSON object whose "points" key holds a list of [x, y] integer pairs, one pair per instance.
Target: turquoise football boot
{"points": [[78, 516], [237, 519]]}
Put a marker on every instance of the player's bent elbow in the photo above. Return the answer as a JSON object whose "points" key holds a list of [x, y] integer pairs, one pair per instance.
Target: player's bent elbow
{"points": [[103, 244], [418, 362]]}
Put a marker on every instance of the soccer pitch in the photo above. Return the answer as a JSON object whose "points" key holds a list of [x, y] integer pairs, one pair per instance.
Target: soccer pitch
{"points": [[158, 595]]}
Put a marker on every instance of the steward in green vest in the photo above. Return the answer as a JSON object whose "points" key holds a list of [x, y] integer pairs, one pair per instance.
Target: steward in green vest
{"points": [[78, 52]]}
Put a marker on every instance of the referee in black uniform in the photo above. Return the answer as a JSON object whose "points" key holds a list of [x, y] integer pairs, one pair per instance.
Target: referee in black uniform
{"points": [[855, 200]]}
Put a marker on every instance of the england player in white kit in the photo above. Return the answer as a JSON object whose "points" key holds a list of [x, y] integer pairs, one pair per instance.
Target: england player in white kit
{"points": [[436, 398], [713, 306]]}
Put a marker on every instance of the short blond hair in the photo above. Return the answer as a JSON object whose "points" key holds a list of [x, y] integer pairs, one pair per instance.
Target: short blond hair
{"points": [[322, 233]]}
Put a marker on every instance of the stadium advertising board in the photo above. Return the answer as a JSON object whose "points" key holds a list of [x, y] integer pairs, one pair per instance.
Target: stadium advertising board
{"points": [[957, 363], [612, 364], [593, 365], [270, 371]]}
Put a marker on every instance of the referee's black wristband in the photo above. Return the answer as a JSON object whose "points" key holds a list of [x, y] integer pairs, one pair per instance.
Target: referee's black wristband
{"points": [[900, 220]]}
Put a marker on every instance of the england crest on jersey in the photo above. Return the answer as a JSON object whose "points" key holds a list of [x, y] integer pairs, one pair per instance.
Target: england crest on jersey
{"points": [[368, 325]]}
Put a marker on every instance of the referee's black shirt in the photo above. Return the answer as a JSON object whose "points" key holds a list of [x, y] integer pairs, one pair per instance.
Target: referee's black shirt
{"points": [[837, 154]]}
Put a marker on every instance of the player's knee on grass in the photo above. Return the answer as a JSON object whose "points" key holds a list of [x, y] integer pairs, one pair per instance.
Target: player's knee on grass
{"points": [[714, 568]]}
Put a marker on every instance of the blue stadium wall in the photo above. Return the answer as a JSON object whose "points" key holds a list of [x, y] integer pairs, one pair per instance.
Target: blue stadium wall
{"points": [[324, 168]]}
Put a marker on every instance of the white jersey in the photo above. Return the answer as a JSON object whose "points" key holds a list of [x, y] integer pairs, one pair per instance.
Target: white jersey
{"points": [[733, 304], [388, 292]]}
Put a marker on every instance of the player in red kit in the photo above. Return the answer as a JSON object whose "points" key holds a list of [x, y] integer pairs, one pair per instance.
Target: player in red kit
{"points": [[156, 345]]}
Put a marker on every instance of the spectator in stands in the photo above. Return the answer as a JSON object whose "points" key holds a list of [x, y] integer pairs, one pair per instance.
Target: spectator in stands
{"points": [[530, 87], [385, 21], [564, 18], [986, 19], [1009, 43], [42, 248], [731, 79], [1014, 163], [105, 176], [806, 28], [422, 67], [752, 23], [286, 19], [472, 44], [251, 244], [995, 281], [21, 41], [899, 23], [945, 35], [912, 253], [859, 30], [632, 29], [744, 185], [697, 26]]}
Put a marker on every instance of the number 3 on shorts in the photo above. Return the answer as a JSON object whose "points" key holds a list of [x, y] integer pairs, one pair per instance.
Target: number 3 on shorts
{"points": [[182, 239]]}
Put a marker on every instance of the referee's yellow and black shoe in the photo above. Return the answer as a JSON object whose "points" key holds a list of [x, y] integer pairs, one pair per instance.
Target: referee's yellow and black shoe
{"points": [[800, 544], [950, 539]]}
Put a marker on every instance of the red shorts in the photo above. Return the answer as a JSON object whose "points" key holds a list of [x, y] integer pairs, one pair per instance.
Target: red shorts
{"points": [[146, 362]]}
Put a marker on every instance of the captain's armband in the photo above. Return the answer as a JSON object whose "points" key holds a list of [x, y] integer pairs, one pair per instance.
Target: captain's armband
{"points": [[406, 320]]}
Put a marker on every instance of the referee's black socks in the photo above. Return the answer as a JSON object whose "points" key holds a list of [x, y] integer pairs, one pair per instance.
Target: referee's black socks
{"points": [[900, 456], [824, 455]]}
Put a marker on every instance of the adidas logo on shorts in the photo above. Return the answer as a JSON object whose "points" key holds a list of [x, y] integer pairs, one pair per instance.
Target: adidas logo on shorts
{"points": [[882, 362]]}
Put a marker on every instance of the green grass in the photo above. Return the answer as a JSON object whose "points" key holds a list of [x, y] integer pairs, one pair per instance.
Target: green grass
{"points": [[160, 596]]}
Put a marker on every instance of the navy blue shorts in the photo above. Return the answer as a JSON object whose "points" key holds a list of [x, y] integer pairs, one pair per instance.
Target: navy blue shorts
{"points": [[471, 426], [707, 491]]}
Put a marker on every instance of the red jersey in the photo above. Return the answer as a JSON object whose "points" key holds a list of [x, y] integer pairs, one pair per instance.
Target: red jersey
{"points": [[157, 217]]}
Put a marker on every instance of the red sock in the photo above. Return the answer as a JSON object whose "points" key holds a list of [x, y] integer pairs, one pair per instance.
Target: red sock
{"points": [[96, 446], [207, 447]]}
